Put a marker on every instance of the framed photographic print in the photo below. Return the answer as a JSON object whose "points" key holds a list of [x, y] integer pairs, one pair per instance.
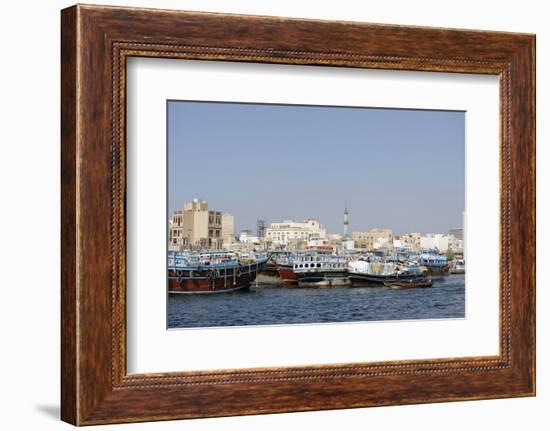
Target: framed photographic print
{"points": [[268, 215]]}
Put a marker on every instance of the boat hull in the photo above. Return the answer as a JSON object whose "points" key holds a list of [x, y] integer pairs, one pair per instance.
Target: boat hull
{"points": [[358, 279], [270, 269], [211, 281], [287, 274], [411, 284], [361, 279], [436, 269], [323, 279]]}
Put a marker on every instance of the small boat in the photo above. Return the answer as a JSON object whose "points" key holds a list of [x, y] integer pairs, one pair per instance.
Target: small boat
{"points": [[407, 284], [457, 267], [372, 271], [211, 272], [435, 263]]}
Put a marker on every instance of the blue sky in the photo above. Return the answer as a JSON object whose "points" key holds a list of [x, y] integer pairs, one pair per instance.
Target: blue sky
{"points": [[395, 168]]}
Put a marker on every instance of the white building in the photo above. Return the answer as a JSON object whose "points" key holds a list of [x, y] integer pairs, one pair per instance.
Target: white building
{"points": [[382, 243], [432, 241], [246, 237], [441, 242], [318, 243], [292, 232]]}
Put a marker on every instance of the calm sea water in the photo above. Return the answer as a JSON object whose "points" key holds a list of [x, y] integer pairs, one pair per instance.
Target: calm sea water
{"points": [[272, 305]]}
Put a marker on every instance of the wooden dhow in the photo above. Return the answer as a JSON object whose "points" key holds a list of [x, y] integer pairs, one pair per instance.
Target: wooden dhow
{"points": [[314, 267], [211, 272]]}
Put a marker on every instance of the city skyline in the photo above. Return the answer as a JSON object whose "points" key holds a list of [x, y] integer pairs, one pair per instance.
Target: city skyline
{"points": [[253, 229], [399, 169]]}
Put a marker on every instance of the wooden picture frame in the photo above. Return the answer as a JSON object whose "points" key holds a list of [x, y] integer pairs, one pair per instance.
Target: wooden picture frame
{"points": [[95, 43]]}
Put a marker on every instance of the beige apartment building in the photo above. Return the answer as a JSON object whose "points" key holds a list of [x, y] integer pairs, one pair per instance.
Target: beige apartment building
{"points": [[373, 239], [228, 230], [411, 241], [197, 227]]}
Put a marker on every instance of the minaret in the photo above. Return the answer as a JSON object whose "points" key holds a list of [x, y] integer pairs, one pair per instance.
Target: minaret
{"points": [[346, 224]]}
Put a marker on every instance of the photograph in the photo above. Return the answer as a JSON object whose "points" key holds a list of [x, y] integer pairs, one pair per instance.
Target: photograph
{"points": [[281, 214], [309, 215]]}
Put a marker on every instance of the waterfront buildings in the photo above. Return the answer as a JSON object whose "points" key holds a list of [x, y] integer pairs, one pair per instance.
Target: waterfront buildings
{"points": [[441, 242], [373, 239], [246, 237], [291, 232], [377, 239], [411, 241], [456, 245], [195, 227], [436, 241], [334, 240]]}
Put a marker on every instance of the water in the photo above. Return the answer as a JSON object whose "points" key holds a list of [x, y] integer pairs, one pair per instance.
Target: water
{"points": [[273, 305]]}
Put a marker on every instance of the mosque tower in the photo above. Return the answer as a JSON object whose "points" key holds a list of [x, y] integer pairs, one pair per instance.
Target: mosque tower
{"points": [[346, 224]]}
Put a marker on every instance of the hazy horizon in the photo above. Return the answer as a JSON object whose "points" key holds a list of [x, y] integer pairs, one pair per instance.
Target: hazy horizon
{"points": [[393, 168]]}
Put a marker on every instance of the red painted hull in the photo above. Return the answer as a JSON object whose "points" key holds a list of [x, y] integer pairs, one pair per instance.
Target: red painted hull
{"points": [[287, 274], [204, 282]]}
